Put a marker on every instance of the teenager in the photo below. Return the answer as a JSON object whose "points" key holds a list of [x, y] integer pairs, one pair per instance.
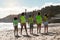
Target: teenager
{"points": [[23, 22], [15, 24], [45, 23], [30, 21], [39, 22]]}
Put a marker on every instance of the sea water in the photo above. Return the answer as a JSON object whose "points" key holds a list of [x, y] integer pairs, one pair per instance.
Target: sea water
{"points": [[9, 26]]}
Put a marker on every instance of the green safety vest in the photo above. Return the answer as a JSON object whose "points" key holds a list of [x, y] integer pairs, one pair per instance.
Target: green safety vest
{"points": [[30, 20], [45, 18], [22, 19], [38, 19], [15, 22]]}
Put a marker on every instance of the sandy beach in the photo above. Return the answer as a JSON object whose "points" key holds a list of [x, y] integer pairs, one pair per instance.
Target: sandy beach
{"points": [[53, 34]]}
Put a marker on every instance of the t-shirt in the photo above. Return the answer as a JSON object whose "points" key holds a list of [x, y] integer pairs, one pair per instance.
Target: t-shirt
{"points": [[22, 19], [30, 20], [38, 19], [15, 22], [45, 18]]}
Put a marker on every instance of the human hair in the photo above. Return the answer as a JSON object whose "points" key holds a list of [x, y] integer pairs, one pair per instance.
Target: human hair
{"points": [[46, 15], [15, 18], [22, 14], [38, 13]]}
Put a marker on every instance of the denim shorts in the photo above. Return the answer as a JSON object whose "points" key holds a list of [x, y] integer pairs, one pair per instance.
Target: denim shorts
{"points": [[46, 23]]}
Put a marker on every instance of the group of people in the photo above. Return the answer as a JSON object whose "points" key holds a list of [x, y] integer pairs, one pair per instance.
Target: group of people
{"points": [[39, 20]]}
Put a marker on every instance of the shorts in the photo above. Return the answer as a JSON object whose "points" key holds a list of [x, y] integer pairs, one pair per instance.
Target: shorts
{"points": [[31, 25], [46, 23], [16, 27], [23, 24]]}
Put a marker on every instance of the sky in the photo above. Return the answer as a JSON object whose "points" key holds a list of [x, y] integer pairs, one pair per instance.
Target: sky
{"points": [[9, 7]]}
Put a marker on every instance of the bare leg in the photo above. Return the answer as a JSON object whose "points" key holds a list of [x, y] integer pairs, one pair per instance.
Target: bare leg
{"points": [[21, 28], [30, 31], [14, 32], [25, 29], [17, 31], [37, 28], [40, 28], [47, 28], [31, 28]]}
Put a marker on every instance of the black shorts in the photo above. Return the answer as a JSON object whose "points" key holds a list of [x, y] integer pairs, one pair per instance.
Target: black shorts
{"points": [[15, 27], [31, 25]]}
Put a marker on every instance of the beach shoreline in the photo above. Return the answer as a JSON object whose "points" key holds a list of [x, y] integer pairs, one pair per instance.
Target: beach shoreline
{"points": [[53, 34]]}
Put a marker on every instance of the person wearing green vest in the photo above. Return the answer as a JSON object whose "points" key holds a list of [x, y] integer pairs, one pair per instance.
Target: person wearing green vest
{"points": [[23, 23], [30, 21], [45, 23], [15, 24], [39, 22]]}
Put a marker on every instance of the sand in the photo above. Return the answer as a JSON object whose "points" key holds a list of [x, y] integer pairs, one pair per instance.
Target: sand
{"points": [[53, 34]]}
